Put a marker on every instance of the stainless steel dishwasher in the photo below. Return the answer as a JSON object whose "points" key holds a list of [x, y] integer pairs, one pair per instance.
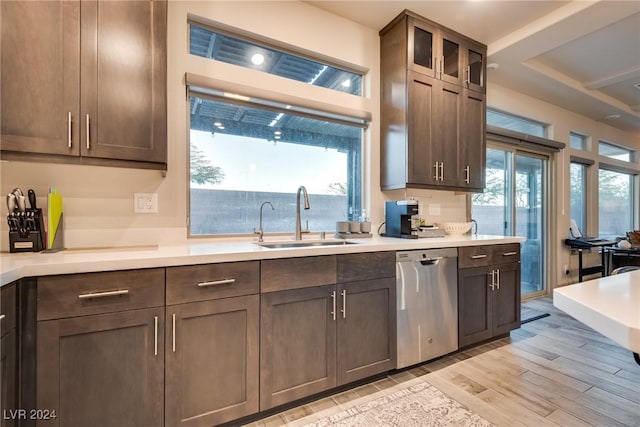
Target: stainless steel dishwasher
{"points": [[427, 304]]}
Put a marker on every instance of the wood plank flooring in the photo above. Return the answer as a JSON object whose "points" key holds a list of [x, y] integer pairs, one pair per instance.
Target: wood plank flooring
{"points": [[553, 371]]}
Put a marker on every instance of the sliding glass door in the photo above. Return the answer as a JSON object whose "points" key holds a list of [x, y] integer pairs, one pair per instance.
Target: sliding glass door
{"points": [[514, 203]]}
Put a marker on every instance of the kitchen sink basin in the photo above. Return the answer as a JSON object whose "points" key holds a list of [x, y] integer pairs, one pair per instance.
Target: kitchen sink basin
{"points": [[303, 243]]}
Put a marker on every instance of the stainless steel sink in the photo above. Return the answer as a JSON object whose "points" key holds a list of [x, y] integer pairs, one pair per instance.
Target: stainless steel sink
{"points": [[303, 244]]}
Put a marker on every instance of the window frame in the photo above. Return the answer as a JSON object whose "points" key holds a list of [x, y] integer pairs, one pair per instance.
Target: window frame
{"points": [[633, 193], [304, 111]]}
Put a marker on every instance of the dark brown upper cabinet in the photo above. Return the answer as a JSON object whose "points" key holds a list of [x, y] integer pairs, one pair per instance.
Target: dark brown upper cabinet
{"points": [[85, 82], [433, 107]]}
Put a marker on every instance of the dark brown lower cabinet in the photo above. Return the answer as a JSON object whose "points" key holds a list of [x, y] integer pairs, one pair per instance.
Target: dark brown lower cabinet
{"points": [[366, 329], [314, 339], [8, 356], [102, 370], [297, 343], [488, 302], [212, 358], [8, 369]]}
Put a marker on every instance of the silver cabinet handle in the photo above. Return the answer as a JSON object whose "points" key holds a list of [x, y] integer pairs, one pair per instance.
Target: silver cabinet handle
{"points": [[509, 253], [334, 303], [435, 165], [217, 282], [498, 278], [344, 304], [441, 171], [155, 335], [467, 174], [103, 294], [88, 133], [173, 332], [467, 80], [493, 279], [478, 256], [69, 129]]}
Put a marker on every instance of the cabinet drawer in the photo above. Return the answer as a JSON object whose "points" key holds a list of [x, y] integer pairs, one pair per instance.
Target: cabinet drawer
{"points": [[212, 281], [8, 308], [294, 273], [506, 253], [366, 266], [96, 293], [474, 256]]}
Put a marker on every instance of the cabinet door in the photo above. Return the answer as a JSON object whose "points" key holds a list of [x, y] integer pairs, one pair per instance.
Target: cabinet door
{"points": [[124, 80], [473, 146], [297, 344], [40, 76], [447, 145], [212, 361], [422, 128], [474, 305], [8, 385], [450, 48], [506, 299], [475, 66], [422, 47], [102, 370], [366, 329]]}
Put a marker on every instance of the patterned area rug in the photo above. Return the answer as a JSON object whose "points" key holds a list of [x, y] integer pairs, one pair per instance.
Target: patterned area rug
{"points": [[418, 405]]}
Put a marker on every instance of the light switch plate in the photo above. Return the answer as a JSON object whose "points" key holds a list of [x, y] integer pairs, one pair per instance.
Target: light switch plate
{"points": [[145, 202]]}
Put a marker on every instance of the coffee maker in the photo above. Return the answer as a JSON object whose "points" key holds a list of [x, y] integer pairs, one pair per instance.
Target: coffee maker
{"points": [[398, 218]]}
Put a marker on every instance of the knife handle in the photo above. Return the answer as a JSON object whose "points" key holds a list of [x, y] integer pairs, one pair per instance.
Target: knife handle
{"points": [[32, 199]]}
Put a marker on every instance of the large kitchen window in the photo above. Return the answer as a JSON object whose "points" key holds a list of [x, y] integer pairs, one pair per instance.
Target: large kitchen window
{"points": [[243, 154], [616, 203]]}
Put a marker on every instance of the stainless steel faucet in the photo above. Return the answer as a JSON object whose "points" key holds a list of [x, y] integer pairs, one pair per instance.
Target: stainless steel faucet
{"points": [[260, 231], [298, 235]]}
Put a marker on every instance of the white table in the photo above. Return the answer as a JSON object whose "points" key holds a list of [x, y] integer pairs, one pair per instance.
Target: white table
{"points": [[610, 305]]}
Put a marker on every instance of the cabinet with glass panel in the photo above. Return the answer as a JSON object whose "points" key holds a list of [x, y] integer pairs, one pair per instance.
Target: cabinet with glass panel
{"points": [[436, 139]]}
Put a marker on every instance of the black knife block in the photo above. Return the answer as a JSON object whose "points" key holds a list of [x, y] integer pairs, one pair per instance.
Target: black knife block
{"points": [[27, 239]]}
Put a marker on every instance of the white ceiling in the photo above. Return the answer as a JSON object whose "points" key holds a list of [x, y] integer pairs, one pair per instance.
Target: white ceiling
{"points": [[583, 56]]}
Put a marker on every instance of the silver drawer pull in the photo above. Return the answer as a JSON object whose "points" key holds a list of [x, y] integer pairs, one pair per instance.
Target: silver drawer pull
{"points": [[478, 256], [217, 282], [104, 294], [509, 253]]}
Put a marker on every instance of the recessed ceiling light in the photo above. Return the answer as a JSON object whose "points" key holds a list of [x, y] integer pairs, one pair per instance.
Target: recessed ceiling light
{"points": [[493, 66], [257, 58]]}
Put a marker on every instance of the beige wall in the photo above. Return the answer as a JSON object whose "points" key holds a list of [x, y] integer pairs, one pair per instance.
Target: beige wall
{"points": [[99, 200]]}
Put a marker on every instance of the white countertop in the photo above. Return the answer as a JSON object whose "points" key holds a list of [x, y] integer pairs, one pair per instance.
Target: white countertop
{"points": [[610, 305], [19, 265]]}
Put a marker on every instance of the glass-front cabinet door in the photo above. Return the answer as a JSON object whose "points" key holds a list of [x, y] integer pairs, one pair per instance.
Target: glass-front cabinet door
{"points": [[422, 47], [449, 59], [475, 68]]}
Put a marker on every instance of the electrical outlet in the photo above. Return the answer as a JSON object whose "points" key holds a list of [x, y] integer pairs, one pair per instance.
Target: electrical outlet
{"points": [[145, 202], [566, 270]]}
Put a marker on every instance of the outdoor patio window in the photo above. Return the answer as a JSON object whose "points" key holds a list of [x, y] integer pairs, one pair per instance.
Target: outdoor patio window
{"points": [[243, 154]]}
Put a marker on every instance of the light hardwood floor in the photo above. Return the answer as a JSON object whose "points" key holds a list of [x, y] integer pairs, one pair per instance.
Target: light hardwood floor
{"points": [[552, 371]]}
